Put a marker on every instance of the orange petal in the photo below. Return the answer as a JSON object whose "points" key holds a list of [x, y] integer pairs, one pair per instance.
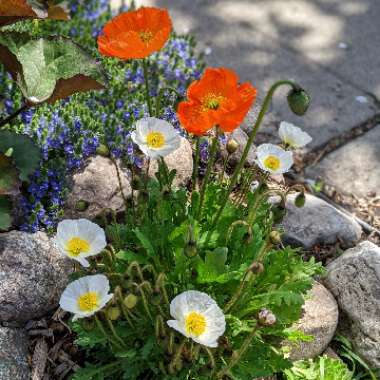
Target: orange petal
{"points": [[193, 119]]}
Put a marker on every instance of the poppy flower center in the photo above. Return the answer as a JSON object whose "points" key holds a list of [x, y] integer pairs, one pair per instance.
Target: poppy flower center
{"points": [[76, 246], [212, 101], [272, 162], [146, 36], [155, 140], [88, 301], [195, 324]]}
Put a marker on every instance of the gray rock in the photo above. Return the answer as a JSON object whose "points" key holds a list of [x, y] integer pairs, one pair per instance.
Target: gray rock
{"points": [[318, 223], [33, 275], [320, 320], [354, 279], [13, 354], [97, 184], [181, 160], [241, 138], [352, 168]]}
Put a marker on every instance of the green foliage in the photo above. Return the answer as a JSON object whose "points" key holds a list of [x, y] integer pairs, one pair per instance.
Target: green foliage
{"points": [[25, 153], [5, 213], [49, 69], [152, 253], [321, 368]]}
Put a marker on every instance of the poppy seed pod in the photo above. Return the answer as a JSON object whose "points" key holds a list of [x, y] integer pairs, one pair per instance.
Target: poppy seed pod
{"points": [[299, 101], [103, 150], [232, 146], [266, 318]]}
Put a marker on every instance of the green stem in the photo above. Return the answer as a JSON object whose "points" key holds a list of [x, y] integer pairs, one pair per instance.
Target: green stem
{"points": [[177, 356], [147, 92], [196, 162], [104, 332], [248, 146], [113, 331], [224, 167], [236, 358], [210, 164], [13, 115]]}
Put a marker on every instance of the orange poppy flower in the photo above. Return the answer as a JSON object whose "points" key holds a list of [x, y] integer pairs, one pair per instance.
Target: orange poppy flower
{"points": [[216, 99], [137, 34]]}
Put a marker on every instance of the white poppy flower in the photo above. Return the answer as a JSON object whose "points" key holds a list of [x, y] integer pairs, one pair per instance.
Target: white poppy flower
{"points": [[79, 239], [293, 136], [86, 296], [197, 316], [273, 159], [155, 137]]}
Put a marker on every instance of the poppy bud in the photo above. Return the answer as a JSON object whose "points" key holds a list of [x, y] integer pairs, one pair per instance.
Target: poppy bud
{"points": [[275, 237], [113, 313], [191, 250], [232, 146], [300, 200], [130, 301], [278, 214], [299, 101], [81, 205], [256, 267], [103, 150], [88, 324], [266, 318]]}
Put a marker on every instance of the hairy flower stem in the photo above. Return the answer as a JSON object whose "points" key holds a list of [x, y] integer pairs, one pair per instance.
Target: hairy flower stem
{"points": [[13, 115], [239, 355], [147, 91], [120, 182], [224, 167], [105, 334], [244, 156], [114, 333], [177, 356], [210, 164], [237, 294], [196, 163]]}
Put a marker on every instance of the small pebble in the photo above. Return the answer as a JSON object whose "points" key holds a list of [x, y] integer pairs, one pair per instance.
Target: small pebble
{"points": [[208, 50], [342, 45], [361, 99]]}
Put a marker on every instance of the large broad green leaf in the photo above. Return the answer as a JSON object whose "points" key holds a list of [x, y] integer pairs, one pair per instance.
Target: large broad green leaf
{"points": [[15, 10], [213, 268], [25, 154], [9, 181], [5, 213], [49, 69]]}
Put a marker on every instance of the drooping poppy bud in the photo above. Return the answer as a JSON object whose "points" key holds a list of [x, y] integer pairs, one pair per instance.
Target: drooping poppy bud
{"points": [[130, 301], [113, 313], [266, 318], [232, 146], [300, 200], [275, 237], [103, 150], [299, 101]]}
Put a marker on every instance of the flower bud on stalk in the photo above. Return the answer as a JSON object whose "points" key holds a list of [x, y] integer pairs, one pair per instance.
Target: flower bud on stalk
{"points": [[130, 301], [232, 146], [113, 313], [103, 150], [300, 200], [275, 237], [256, 267], [81, 205], [266, 318], [299, 101]]}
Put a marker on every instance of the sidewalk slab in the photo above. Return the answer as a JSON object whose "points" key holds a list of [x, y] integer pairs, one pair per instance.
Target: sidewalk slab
{"points": [[353, 168]]}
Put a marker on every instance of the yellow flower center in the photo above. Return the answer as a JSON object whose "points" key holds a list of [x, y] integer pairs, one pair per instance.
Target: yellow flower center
{"points": [[272, 162], [88, 301], [76, 246], [146, 36], [155, 140], [212, 101], [195, 324]]}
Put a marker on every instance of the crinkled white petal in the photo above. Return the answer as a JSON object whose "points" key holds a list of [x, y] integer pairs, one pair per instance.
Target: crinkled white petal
{"points": [[285, 158], [151, 124], [293, 135], [97, 283], [84, 229], [198, 302]]}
